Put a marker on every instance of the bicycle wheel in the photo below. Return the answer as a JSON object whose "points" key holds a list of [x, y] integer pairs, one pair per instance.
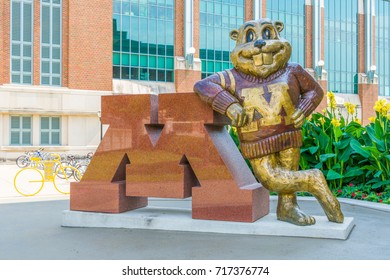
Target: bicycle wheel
{"points": [[23, 161], [28, 181], [81, 168], [61, 175], [63, 185]]}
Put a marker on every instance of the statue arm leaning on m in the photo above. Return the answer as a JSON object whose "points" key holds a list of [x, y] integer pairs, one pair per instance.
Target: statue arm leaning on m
{"points": [[267, 99]]}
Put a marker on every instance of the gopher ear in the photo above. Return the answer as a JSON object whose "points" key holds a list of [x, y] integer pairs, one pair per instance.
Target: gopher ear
{"points": [[279, 26], [234, 34]]}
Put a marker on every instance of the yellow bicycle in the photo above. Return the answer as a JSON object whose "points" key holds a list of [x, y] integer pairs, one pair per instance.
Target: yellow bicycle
{"points": [[29, 181]]}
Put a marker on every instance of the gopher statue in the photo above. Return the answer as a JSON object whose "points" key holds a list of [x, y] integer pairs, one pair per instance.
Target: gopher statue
{"points": [[268, 99]]}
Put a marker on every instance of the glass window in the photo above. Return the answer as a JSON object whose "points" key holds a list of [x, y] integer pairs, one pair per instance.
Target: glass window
{"points": [[217, 18], [382, 25], [142, 30], [50, 130], [341, 45], [292, 14], [21, 41], [20, 130], [51, 25]]}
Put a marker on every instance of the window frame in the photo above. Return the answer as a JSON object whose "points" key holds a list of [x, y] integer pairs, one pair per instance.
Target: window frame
{"points": [[51, 46], [213, 53], [20, 130], [21, 57], [341, 35], [50, 130], [382, 48], [133, 59], [298, 41]]}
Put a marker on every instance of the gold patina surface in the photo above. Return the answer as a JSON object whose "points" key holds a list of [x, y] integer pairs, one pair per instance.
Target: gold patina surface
{"points": [[280, 107], [279, 173]]}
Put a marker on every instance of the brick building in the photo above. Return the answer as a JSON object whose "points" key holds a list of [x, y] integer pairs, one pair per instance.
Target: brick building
{"points": [[59, 56]]}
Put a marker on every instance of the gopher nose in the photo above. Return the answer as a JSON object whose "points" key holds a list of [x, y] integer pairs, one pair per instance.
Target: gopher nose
{"points": [[260, 43]]}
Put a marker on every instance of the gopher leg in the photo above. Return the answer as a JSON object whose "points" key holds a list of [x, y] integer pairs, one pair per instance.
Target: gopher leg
{"points": [[288, 209], [319, 188], [273, 173]]}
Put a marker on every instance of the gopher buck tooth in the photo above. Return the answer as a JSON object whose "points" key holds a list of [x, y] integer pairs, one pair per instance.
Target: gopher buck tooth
{"points": [[263, 58], [258, 59], [267, 58]]}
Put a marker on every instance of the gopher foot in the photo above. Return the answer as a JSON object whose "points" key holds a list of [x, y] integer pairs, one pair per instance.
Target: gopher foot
{"points": [[295, 216], [334, 213]]}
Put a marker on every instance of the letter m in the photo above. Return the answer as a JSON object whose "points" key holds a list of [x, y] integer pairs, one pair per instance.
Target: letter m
{"points": [[168, 146]]}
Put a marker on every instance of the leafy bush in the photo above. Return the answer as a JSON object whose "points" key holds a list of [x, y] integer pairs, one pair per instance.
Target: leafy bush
{"points": [[348, 153]]}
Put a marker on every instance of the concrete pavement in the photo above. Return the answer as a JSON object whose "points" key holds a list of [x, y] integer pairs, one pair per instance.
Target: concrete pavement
{"points": [[31, 229]]}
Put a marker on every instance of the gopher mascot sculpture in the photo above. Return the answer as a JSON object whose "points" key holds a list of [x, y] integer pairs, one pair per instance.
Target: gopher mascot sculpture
{"points": [[268, 99]]}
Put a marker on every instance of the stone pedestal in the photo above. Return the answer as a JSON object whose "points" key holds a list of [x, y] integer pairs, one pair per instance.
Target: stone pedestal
{"points": [[177, 219]]}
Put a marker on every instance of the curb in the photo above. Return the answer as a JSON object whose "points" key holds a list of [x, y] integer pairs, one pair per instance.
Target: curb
{"points": [[17, 199], [353, 202]]}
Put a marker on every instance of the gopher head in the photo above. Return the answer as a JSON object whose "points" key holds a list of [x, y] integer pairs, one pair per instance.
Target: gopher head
{"points": [[260, 51]]}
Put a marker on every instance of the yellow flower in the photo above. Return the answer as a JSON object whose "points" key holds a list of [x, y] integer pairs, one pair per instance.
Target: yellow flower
{"points": [[335, 122], [382, 107], [385, 109], [322, 120], [357, 121], [350, 108], [372, 119], [332, 100], [324, 111]]}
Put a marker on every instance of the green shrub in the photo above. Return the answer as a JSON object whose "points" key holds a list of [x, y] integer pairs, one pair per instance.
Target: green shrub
{"points": [[347, 152]]}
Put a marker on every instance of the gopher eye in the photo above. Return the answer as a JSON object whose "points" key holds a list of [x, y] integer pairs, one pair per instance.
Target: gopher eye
{"points": [[250, 36], [267, 34]]}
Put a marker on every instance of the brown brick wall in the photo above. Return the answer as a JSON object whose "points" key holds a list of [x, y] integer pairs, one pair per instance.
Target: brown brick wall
{"points": [[324, 101], [368, 94], [90, 45], [179, 28], [197, 27], [5, 42], [373, 40], [65, 42], [36, 42], [249, 15], [248, 10], [323, 34], [309, 36], [185, 80], [2, 23], [361, 42]]}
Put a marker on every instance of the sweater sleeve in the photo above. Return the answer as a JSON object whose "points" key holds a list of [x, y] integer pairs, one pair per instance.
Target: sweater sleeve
{"points": [[311, 91], [214, 92]]}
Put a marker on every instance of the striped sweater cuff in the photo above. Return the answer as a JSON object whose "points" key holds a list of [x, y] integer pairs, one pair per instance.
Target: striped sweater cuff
{"points": [[222, 101], [307, 106]]}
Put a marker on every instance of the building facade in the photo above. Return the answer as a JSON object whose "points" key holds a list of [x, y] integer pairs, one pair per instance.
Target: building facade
{"points": [[58, 57], [55, 64]]}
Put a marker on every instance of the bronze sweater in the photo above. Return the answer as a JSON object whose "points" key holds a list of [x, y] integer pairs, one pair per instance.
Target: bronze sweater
{"points": [[269, 104]]}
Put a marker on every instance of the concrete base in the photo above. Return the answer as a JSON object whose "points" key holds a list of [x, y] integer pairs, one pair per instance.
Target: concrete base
{"points": [[176, 219]]}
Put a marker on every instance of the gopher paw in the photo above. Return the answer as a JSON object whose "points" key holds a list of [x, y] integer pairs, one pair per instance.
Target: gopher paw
{"points": [[295, 216], [298, 118]]}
